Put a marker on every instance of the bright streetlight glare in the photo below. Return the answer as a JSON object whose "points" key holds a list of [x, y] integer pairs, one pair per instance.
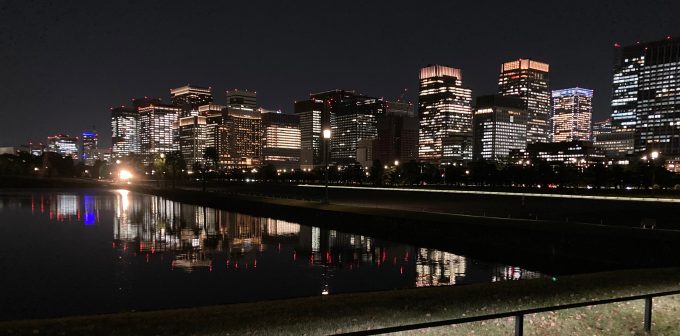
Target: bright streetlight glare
{"points": [[326, 134], [655, 155], [125, 175]]}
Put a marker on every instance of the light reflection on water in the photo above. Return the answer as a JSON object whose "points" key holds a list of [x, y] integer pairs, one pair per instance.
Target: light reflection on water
{"points": [[157, 246]]}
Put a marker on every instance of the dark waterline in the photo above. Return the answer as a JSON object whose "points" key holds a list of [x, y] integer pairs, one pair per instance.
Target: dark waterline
{"points": [[92, 252]]}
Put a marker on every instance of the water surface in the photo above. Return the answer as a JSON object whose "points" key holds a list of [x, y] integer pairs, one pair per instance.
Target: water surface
{"points": [[92, 252]]}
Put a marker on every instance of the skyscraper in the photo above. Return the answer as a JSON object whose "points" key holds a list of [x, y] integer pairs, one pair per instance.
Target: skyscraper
{"points": [[397, 134], [445, 113], [124, 131], [529, 80], [500, 126], [627, 64], [243, 138], [657, 113], [216, 130], [155, 128], [191, 135], [280, 139], [353, 119], [89, 145], [572, 111], [316, 114], [188, 98]]}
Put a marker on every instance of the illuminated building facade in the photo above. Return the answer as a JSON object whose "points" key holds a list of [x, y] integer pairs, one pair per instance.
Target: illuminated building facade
{"points": [[188, 98], [280, 139], [627, 64], [572, 111], [64, 145], [353, 119], [191, 134], [125, 131], [316, 114], [89, 143], [155, 128], [529, 80], [601, 127], [445, 113], [616, 145], [243, 137], [657, 116], [309, 113], [500, 125], [216, 130], [577, 153]]}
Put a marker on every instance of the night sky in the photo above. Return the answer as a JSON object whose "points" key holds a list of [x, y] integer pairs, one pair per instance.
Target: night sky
{"points": [[63, 64]]}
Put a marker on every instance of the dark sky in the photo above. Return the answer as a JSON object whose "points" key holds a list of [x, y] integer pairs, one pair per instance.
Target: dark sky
{"points": [[63, 63]]}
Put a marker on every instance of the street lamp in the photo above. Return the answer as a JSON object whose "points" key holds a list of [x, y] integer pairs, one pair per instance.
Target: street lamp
{"points": [[654, 155], [326, 138]]}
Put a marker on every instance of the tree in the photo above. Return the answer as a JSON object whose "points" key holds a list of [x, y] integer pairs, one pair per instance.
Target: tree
{"points": [[377, 172], [267, 173], [411, 172], [210, 155], [174, 164]]}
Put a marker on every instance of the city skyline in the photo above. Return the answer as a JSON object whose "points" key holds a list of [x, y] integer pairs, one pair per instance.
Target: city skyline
{"points": [[91, 67]]}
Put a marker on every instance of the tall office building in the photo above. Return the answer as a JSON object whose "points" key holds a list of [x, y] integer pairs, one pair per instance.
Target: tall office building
{"points": [[397, 134], [155, 128], [216, 130], [627, 64], [124, 131], [445, 113], [64, 145], [572, 111], [243, 128], [280, 139], [620, 141], [89, 147], [189, 98], [657, 116], [242, 100], [500, 126], [529, 80], [316, 114], [191, 134], [353, 119]]}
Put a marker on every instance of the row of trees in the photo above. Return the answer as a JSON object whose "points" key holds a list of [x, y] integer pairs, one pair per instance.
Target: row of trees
{"points": [[49, 165], [172, 166]]}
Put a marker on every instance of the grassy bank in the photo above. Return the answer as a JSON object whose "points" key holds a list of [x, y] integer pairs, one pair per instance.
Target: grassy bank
{"points": [[350, 312]]}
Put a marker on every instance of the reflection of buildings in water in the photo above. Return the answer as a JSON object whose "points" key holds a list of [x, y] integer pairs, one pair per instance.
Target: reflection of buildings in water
{"points": [[70, 207], [194, 233], [66, 205], [436, 268], [276, 227], [502, 273]]}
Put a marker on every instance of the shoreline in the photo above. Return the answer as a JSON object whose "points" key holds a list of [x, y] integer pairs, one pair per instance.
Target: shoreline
{"points": [[352, 312]]}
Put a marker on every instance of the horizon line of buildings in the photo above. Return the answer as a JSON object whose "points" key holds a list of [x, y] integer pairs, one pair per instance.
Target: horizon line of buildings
{"points": [[524, 120]]}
